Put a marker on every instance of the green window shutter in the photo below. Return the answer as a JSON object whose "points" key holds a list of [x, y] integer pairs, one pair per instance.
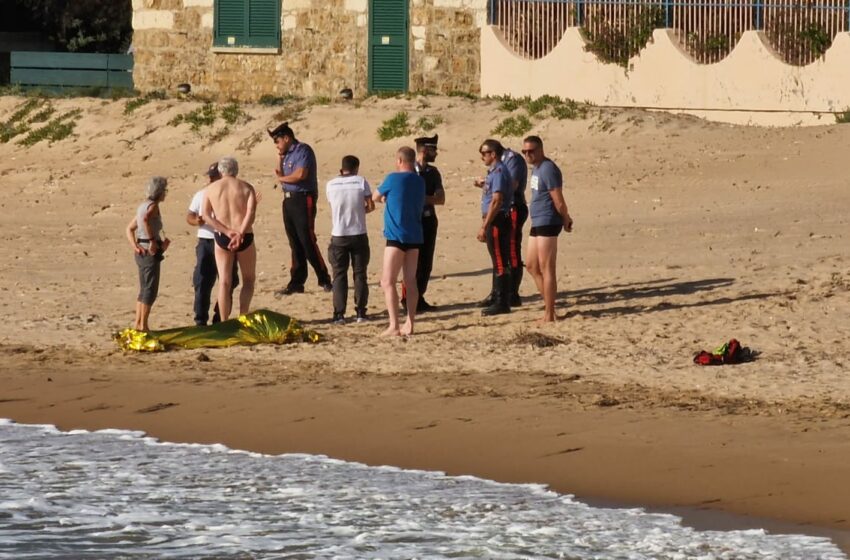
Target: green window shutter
{"points": [[247, 23], [388, 45]]}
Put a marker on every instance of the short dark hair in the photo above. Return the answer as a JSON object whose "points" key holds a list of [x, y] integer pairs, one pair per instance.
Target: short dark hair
{"points": [[495, 146], [281, 131], [533, 140], [407, 155], [350, 163]]}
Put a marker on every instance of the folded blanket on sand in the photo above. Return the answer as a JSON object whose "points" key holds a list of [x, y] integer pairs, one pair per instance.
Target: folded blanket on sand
{"points": [[257, 327]]}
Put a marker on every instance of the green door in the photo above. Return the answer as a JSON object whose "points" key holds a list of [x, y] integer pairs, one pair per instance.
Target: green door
{"points": [[388, 45]]}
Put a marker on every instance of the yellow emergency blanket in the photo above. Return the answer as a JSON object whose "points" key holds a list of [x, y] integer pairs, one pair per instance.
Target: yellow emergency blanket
{"points": [[257, 327]]}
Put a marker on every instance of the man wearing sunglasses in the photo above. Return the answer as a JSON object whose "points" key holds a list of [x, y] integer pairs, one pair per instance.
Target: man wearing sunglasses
{"points": [[496, 199], [549, 215]]}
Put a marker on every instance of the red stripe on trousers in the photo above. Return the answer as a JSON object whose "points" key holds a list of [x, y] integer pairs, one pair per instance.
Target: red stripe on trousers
{"points": [[500, 266]]}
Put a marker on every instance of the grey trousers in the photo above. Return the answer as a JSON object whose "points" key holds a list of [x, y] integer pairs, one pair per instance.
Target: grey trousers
{"points": [[353, 249]]}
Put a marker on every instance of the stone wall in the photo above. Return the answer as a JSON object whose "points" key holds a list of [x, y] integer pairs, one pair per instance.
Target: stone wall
{"points": [[323, 49]]}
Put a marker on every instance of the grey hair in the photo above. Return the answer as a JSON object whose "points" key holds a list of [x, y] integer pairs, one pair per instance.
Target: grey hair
{"points": [[155, 188], [228, 166]]}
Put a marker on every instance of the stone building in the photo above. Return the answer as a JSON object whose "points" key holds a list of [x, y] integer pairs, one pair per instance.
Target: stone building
{"points": [[244, 49]]}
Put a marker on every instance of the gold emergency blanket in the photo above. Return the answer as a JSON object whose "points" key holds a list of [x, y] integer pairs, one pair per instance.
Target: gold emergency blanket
{"points": [[257, 327]]}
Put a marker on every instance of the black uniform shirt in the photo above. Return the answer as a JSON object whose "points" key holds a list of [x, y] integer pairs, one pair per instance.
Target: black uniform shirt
{"points": [[433, 183]]}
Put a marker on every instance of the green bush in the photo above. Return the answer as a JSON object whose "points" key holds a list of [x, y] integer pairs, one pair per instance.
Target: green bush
{"points": [[513, 126], [428, 123], [843, 117], [395, 127], [569, 109], [57, 129]]}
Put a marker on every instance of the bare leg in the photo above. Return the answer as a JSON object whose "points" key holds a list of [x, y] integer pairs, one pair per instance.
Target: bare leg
{"points": [[548, 255], [224, 264], [137, 322], [145, 311], [411, 260], [532, 263], [248, 265], [393, 260]]}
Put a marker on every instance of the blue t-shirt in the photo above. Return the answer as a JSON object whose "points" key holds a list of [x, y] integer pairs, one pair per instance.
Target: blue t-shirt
{"points": [[518, 169], [498, 180], [405, 192], [544, 178], [300, 155]]}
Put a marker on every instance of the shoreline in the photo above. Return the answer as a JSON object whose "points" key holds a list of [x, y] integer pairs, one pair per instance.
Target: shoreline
{"points": [[747, 471]]}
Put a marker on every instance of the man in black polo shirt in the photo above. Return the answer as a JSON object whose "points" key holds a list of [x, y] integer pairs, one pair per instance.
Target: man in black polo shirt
{"points": [[297, 177], [426, 153]]}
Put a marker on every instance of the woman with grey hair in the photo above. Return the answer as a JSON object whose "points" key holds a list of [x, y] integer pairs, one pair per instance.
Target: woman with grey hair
{"points": [[144, 232]]}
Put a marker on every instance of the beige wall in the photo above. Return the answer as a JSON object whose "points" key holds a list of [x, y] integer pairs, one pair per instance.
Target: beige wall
{"points": [[323, 49], [750, 85]]}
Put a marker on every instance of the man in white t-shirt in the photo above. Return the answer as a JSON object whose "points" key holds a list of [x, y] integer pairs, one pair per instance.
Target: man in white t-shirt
{"points": [[350, 199], [205, 273]]}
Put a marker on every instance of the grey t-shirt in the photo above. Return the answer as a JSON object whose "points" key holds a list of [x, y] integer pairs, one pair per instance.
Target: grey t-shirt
{"points": [[544, 178], [155, 222]]}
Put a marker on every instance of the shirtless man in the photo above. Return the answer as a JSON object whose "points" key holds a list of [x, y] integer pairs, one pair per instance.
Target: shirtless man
{"points": [[230, 207]]}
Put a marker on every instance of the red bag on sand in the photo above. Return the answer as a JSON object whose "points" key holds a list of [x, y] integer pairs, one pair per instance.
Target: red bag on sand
{"points": [[730, 353]]}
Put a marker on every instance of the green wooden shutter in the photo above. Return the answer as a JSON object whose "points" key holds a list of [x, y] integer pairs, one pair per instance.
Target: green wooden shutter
{"points": [[388, 45], [247, 23]]}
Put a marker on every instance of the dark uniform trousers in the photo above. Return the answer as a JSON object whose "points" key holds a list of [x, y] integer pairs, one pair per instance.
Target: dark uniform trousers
{"points": [[204, 279], [519, 215], [299, 221], [499, 236], [342, 250], [426, 253]]}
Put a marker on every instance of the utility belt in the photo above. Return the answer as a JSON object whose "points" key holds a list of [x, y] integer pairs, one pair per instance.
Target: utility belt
{"points": [[296, 194]]}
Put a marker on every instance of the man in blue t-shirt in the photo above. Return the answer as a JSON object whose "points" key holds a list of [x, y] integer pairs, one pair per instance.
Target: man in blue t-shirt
{"points": [[297, 177], [496, 198], [403, 192], [549, 215]]}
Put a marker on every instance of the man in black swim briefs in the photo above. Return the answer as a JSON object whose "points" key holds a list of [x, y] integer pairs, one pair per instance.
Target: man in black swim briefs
{"points": [[223, 241], [229, 208]]}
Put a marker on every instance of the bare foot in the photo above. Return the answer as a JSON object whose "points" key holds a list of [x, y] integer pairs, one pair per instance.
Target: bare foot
{"points": [[407, 329], [391, 331], [546, 320]]}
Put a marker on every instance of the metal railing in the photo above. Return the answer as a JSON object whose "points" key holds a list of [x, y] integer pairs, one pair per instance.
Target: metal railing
{"points": [[800, 31]]}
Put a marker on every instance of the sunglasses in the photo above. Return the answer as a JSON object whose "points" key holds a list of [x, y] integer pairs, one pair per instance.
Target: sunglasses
{"points": [[531, 151], [482, 152]]}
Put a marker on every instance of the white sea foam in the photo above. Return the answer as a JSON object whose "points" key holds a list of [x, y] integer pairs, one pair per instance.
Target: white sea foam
{"points": [[116, 494]]}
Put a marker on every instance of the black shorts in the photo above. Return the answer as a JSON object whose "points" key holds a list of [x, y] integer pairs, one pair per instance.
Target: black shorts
{"points": [[403, 246], [546, 231]]}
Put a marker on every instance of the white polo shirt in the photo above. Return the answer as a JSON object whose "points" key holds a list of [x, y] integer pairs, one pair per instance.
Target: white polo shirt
{"points": [[197, 204], [346, 196]]}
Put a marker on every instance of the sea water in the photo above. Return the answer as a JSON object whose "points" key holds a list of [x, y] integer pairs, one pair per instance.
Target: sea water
{"points": [[118, 494]]}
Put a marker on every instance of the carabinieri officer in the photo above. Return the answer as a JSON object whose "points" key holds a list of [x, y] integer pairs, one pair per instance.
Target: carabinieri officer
{"points": [[496, 199], [297, 178]]}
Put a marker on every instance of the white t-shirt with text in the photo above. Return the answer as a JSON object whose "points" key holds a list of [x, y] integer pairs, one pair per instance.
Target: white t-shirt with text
{"points": [[346, 196]]}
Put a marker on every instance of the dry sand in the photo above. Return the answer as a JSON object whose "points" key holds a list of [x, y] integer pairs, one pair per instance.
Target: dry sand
{"points": [[687, 233]]}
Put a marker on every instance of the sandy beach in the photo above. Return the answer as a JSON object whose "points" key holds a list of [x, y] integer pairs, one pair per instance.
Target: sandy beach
{"points": [[687, 233]]}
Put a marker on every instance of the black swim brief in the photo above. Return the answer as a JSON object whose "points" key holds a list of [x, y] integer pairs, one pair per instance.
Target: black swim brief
{"points": [[546, 231], [403, 246], [223, 241]]}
